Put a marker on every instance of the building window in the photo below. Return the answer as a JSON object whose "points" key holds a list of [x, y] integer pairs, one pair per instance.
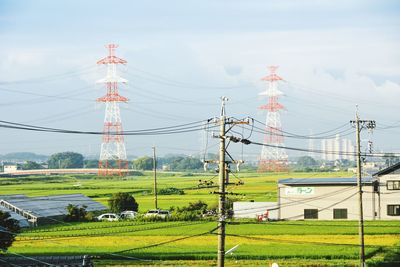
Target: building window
{"points": [[393, 210], [393, 185], [339, 213], [310, 214]]}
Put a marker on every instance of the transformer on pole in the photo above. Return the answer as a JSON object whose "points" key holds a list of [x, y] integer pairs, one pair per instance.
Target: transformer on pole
{"points": [[113, 160], [273, 158]]}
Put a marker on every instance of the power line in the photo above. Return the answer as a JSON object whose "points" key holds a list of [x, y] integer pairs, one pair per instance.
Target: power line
{"points": [[169, 241], [248, 142], [60, 96], [295, 136], [176, 129], [182, 128], [68, 74], [174, 83], [314, 136], [299, 242]]}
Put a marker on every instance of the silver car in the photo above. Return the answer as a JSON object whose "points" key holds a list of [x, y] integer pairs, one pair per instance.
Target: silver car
{"points": [[128, 214], [158, 213], [111, 217]]}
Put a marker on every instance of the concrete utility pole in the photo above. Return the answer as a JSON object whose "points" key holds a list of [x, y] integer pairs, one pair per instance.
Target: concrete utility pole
{"points": [[223, 166], [155, 176], [221, 202], [359, 125]]}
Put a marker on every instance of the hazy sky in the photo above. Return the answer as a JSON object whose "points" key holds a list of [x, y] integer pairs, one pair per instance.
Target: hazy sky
{"points": [[332, 55]]}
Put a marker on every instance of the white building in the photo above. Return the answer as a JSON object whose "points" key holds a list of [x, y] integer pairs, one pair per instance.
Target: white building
{"points": [[330, 146], [337, 198], [10, 168]]}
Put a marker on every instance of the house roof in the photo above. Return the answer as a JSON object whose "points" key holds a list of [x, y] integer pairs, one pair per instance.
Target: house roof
{"points": [[388, 170], [324, 181]]}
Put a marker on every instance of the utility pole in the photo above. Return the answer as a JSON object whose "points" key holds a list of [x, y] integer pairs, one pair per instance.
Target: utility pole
{"points": [[359, 125], [223, 170], [221, 202], [155, 176]]}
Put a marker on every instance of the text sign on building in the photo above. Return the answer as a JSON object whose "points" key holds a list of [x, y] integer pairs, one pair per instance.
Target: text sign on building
{"points": [[299, 191]]}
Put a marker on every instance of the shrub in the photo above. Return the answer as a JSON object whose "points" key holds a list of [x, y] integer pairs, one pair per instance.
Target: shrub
{"points": [[76, 213], [185, 216], [123, 201], [171, 191], [194, 211], [10, 227], [142, 218]]}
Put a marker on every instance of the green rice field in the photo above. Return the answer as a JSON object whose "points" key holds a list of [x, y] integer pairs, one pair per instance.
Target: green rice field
{"points": [[194, 243]]}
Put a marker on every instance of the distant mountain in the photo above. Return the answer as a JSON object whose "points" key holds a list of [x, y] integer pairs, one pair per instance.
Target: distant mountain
{"points": [[23, 156]]}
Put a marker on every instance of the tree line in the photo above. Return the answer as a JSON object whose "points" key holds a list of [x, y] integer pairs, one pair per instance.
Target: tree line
{"points": [[72, 160]]}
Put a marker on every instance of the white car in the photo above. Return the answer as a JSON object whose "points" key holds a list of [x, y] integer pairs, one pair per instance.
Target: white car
{"points": [[128, 214], [158, 213], [111, 217]]}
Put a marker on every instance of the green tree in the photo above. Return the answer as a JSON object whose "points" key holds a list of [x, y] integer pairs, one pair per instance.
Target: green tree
{"points": [[76, 213], [185, 163], [65, 160], [143, 163], [31, 165], [123, 201], [199, 206], [306, 161], [8, 229]]}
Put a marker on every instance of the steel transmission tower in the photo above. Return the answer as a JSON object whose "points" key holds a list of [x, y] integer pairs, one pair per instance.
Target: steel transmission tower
{"points": [[113, 154], [273, 158]]}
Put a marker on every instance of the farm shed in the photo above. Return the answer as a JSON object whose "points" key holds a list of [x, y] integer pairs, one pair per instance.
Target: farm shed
{"points": [[46, 209]]}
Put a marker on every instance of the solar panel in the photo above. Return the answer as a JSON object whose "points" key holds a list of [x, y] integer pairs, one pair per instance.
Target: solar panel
{"points": [[49, 206]]}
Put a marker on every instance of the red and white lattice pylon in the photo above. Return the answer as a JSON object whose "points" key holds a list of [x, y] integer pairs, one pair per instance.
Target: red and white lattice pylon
{"points": [[273, 158], [113, 160]]}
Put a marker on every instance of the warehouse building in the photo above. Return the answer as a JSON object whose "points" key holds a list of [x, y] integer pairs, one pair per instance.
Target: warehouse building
{"points": [[337, 198], [32, 211], [330, 199]]}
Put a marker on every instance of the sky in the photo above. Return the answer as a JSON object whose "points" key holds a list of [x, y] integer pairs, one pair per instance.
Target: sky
{"points": [[184, 55]]}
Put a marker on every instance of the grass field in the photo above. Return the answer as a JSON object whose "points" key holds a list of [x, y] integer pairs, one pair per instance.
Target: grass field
{"points": [[294, 243], [258, 187]]}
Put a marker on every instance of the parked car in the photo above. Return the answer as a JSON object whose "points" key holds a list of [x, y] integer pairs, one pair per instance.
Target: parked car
{"points": [[108, 217], [128, 214], [158, 213]]}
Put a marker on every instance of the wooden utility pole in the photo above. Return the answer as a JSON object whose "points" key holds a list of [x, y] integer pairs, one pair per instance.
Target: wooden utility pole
{"points": [[155, 176], [359, 124]]}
